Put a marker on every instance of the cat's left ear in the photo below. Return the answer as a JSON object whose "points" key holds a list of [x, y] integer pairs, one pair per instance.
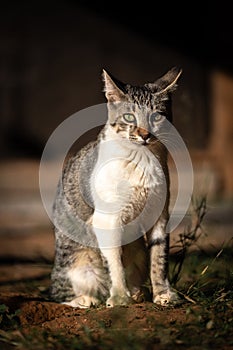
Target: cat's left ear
{"points": [[113, 88], [167, 83]]}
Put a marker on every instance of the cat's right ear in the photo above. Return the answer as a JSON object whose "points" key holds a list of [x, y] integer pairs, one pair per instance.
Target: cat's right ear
{"points": [[113, 88]]}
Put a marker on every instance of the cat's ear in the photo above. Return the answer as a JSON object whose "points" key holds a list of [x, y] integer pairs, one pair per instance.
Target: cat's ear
{"points": [[113, 88], [168, 82]]}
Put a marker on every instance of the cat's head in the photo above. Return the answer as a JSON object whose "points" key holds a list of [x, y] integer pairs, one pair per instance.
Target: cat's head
{"points": [[138, 113]]}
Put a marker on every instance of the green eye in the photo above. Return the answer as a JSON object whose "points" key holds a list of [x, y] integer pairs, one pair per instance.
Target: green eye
{"points": [[156, 117], [129, 117]]}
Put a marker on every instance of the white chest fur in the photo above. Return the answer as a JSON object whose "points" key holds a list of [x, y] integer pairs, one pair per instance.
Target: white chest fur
{"points": [[128, 189], [126, 173]]}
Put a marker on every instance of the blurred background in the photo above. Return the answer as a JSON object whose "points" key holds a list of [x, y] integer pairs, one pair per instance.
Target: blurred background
{"points": [[51, 57]]}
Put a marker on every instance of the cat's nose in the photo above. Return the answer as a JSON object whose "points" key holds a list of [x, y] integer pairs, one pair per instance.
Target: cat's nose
{"points": [[143, 133]]}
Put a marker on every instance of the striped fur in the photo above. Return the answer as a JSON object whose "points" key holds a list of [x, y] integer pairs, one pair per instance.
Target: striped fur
{"points": [[112, 189]]}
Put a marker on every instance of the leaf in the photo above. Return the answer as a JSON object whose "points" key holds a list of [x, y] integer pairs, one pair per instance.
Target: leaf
{"points": [[3, 308]]}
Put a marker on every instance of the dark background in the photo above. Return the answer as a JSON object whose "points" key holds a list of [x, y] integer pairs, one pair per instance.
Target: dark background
{"points": [[199, 29], [53, 52]]}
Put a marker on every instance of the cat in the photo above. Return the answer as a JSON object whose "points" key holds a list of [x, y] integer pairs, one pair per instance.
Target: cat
{"points": [[112, 204]]}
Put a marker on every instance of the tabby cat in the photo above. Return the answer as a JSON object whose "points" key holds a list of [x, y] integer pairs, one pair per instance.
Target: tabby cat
{"points": [[112, 204]]}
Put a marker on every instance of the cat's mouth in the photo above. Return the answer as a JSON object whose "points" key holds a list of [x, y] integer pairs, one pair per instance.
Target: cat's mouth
{"points": [[142, 141]]}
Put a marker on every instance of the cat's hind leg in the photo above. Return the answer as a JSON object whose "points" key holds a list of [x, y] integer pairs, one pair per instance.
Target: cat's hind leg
{"points": [[88, 278], [83, 302]]}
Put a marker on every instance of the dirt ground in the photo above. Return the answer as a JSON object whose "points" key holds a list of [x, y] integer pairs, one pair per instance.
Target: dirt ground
{"points": [[141, 326], [29, 320]]}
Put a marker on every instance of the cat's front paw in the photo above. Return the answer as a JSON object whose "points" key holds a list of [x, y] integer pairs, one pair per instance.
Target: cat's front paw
{"points": [[167, 298], [118, 300]]}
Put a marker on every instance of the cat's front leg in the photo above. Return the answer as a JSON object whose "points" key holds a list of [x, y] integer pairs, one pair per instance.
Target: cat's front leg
{"points": [[119, 293], [158, 242], [108, 235]]}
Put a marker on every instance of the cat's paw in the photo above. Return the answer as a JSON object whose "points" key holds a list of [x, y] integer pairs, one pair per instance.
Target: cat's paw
{"points": [[167, 298], [118, 300], [83, 302], [138, 296]]}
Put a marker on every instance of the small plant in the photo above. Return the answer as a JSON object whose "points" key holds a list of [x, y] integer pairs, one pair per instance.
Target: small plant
{"points": [[189, 237], [210, 278], [7, 319]]}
